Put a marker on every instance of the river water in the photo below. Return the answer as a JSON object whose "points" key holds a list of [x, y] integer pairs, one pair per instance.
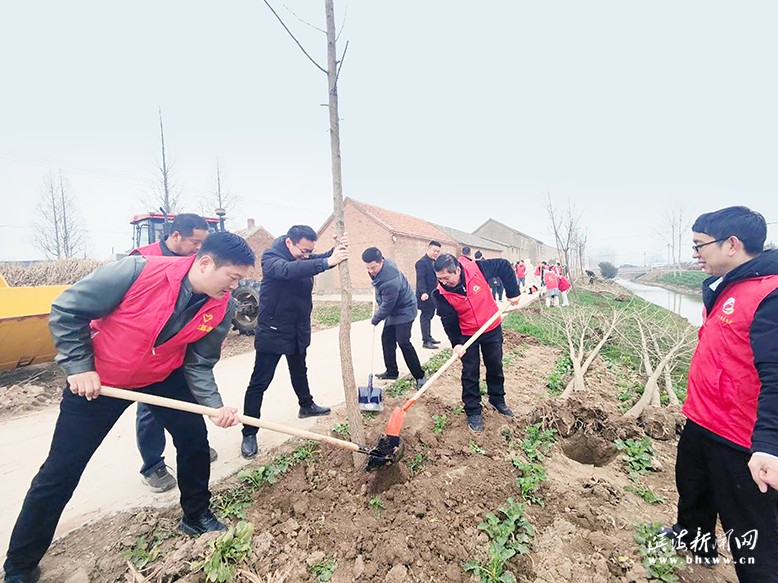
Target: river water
{"points": [[687, 305]]}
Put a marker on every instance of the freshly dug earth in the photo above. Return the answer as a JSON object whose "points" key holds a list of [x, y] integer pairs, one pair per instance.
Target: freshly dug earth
{"points": [[427, 526]]}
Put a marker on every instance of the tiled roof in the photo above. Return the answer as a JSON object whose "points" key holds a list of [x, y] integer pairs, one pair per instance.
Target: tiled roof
{"points": [[251, 231], [518, 235], [469, 239], [402, 224]]}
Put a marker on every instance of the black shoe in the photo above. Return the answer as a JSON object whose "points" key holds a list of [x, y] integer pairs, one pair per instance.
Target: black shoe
{"points": [[387, 376], [196, 526], [475, 422], [502, 409], [29, 577], [214, 455], [160, 480], [429, 346], [420, 382], [313, 410], [248, 447], [433, 341]]}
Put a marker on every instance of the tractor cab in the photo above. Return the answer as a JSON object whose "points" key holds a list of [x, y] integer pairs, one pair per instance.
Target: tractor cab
{"points": [[149, 228]]}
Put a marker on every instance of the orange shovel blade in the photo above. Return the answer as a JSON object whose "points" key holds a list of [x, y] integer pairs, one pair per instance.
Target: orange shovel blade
{"points": [[395, 423]]}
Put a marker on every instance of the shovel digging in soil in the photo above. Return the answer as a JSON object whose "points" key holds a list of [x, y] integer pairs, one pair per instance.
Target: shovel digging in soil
{"points": [[391, 438], [377, 458]]}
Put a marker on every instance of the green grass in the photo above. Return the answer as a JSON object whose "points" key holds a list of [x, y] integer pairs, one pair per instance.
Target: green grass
{"points": [[398, 388], [327, 314], [556, 382], [691, 279]]}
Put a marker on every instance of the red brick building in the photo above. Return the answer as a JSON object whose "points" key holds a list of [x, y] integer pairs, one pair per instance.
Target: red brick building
{"points": [[401, 238], [258, 239]]}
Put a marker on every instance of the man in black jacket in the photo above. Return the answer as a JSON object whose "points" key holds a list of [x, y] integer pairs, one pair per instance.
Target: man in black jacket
{"points": [[728, 452], [284, 322], [396, 305], [425, 284], [465, 304]]}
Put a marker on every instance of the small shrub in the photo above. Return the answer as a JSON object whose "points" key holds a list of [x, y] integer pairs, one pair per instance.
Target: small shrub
{"points": [[529, 481], [398, 388], [475, 448], [417, 463], [645, 493], [226, 552], [323, 570], [375, 503], [341, 429], [440, 423], [538, 442], [638, 454], [556, 380], [608, 270], [659, 557]]}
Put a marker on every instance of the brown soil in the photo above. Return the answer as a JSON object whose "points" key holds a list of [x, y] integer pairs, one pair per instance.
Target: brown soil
{"points": [[427, 528]]}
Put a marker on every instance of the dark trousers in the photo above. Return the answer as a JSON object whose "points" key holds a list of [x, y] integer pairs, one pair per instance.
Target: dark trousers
{"points": [[497, 292], [490, 346], [81, 427], [150, 437], [713, 481], [400, 334], [425, 320], [264, 369]]}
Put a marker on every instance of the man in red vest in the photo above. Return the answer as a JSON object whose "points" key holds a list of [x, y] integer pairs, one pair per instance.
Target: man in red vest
{"points": [[464, 301], [187, 233], [152, 324], [728, 452]]}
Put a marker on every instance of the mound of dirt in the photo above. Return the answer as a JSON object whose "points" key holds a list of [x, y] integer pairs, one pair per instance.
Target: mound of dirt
{"points": [[418, 519]]}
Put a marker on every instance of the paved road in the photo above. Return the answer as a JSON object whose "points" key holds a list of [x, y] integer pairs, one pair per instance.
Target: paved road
{"points": [[111, 482]]}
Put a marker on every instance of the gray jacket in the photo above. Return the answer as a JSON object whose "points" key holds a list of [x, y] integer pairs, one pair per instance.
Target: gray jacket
{"points": [[395, 298], [99, 293]]}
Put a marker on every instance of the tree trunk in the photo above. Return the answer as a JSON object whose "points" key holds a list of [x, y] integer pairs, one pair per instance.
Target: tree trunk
{"points": [[356, 426]]}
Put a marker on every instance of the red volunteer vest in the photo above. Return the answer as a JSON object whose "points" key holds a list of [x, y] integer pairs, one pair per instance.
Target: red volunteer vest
{"points": [[564, 283], [123, 341], [477, 305], [551, 280], [723, 385], [521, 271], [153, 250]]}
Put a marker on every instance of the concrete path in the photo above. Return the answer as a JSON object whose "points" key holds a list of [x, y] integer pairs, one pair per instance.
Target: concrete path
{"points": [[111, 482]]}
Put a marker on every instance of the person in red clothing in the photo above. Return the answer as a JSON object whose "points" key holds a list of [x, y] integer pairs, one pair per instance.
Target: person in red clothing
{"points": [[187, 233], [551, 279], [464, 302], [728, 452], [521, 273], [151, 324], [564, 285]]}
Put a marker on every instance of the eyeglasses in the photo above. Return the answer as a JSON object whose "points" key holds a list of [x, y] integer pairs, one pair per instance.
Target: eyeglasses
{"points": [[303, 251], [697, 248]]}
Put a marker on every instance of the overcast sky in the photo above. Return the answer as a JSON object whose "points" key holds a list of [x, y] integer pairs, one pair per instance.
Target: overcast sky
{"points": [[451, 111]]}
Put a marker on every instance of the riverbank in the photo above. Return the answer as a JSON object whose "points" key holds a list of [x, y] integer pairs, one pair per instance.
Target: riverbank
{"points": [[653, 277]]}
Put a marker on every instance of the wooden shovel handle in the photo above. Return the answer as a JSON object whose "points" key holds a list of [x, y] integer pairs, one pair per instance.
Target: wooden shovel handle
{"points": [[454, 357], [211, 412]]}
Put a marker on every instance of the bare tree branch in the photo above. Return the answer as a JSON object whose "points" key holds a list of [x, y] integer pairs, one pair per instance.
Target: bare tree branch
{"points": [[310, 58], [340, 63], [290, 11]]}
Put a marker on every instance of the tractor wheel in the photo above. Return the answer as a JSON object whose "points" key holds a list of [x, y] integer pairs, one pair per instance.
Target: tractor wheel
{"points": [[245, 318]]}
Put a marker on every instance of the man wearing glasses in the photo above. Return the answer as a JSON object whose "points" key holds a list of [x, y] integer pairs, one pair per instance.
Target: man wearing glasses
{"points": [[284, 322], [728, 452]]}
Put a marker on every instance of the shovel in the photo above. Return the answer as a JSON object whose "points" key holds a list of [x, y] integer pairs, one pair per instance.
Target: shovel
{"points": [[370, 397], [376, 458], [391, 439]]}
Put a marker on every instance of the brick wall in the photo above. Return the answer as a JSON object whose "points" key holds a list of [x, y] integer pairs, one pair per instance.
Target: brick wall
{"points": [[364, 232]]}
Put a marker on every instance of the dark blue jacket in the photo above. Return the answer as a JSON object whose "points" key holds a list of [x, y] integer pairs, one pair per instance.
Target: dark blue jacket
{"points": [[285, 300], [396, 302]]}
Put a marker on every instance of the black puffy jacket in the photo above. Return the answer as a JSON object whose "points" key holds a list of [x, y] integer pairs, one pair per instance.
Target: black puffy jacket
{"points": [[396, 302], [285, 301]]}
